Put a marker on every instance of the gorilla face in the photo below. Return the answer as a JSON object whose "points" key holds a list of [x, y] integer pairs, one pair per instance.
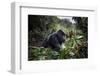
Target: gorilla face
{"points": [[54, 40], [61, 36]]}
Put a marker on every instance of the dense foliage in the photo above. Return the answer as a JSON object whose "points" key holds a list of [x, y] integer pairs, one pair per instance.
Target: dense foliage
{"points": [[75, 46]]}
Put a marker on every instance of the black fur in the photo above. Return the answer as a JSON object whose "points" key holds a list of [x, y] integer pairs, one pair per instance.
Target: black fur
{"points": [[54, 40]]}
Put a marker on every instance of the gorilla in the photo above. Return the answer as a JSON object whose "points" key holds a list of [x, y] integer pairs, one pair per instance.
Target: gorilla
{"points": [[54, 40]]}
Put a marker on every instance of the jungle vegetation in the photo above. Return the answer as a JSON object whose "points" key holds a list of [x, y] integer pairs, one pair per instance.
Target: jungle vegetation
{"points": [[41, 26]]}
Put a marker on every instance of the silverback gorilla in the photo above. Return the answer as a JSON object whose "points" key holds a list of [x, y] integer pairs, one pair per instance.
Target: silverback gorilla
{"points": [[54, 40]]}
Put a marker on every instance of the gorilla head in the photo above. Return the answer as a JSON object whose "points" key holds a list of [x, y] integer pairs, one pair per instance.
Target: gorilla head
{"points": [[54, 40]]}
